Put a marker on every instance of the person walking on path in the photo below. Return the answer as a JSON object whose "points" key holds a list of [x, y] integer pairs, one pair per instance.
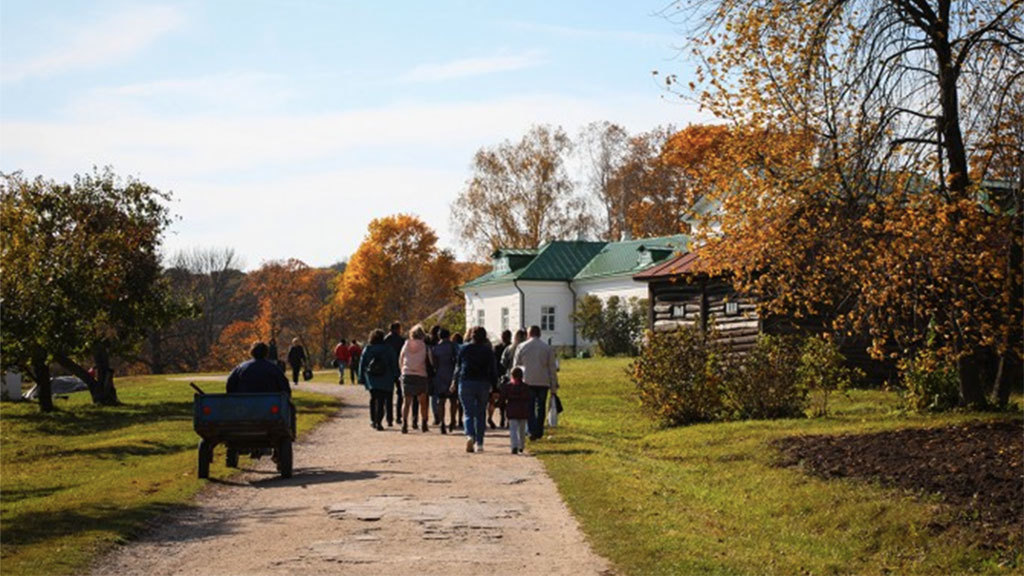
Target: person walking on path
{"points": [[341, 358], [378, 370], [442, 357], [495, 401], [354, 350], [395, 340], [517, 406], [413, 361], [541, 374], [477, 374], [296, 359], [510, 352]]}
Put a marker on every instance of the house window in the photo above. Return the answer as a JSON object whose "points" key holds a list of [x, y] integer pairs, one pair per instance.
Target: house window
{"points": [[480, 317], [504, 319], [547, 318], [732, 308]]}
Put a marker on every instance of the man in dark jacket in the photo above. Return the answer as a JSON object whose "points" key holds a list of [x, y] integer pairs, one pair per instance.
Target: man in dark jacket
{"points": [[395, 340], [258, 374]]}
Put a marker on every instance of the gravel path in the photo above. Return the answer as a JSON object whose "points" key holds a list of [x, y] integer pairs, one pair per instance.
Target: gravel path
{"points": [[367, 502]]}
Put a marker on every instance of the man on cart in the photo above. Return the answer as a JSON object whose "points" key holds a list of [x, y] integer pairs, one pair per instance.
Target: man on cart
{"points": [[260, 375]]}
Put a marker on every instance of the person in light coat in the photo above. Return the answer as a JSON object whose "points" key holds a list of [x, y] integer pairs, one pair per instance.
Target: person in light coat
{"points": [[540, 372]]}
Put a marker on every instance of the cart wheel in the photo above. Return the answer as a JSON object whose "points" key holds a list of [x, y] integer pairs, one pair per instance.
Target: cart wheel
{"points": [[232, 458], [205, 457], [284, 458]]}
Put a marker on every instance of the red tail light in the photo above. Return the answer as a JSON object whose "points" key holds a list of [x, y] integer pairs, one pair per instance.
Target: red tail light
{"points": [[206, 410], [274, 409]]}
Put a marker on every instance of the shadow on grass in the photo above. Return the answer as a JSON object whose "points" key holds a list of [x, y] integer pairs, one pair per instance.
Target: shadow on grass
{"points": [[567, 451], [14, 495], [139, 449], [38, 526], [89, 419]]}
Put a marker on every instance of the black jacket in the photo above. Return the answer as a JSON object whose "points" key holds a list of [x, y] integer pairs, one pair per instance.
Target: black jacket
{"points": [[476, 362], [257, 376], [297, 356]]}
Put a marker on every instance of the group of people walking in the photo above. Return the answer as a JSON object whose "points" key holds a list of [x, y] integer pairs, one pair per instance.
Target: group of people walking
{"points": [[463, 379]]}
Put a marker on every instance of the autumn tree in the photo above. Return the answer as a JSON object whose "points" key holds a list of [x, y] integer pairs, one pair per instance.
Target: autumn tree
{"points": [[82, 276], [397, 273], [603, 146], [858, 183], [664, 172], [520, 195]]}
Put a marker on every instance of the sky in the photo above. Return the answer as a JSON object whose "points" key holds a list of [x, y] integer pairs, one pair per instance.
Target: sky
{"points": [[283, 127]]}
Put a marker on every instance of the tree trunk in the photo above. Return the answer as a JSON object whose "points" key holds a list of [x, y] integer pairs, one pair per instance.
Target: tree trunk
{"points": [[107, 394], [156, 359], [972, 386], [41, 374]]}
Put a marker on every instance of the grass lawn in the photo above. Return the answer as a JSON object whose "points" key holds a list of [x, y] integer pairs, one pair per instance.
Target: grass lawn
{"points": [[76, 481], [707, 499]]}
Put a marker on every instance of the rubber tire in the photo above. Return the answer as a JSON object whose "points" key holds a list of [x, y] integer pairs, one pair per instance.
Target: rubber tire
{"points": [[284, 458], [205, 457], [232, 458]]}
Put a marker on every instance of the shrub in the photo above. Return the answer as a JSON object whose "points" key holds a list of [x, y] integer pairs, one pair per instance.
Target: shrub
{"points": [[615, 325], [822, 371], [929, 383], [675, 378], [763, 382]]}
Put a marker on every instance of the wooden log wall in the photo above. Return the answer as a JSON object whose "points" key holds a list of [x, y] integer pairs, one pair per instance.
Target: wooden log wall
{"points": [[702, 302], [676, 304]]}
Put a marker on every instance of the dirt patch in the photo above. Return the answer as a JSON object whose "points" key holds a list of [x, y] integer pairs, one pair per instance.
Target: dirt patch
{"points": [[975, 469]]}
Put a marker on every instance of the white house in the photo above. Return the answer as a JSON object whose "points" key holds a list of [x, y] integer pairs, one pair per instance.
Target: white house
{"points": [[541, 286]]}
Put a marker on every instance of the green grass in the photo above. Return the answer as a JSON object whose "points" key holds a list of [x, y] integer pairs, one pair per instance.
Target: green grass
{"points": [[706, 499], [75, 481]]}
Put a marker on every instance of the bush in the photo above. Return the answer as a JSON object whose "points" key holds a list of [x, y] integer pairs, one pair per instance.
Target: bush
{"points": [[615, 325], [763, 382], [822, 371], [684, 377], [929, 383], [675, 378]]}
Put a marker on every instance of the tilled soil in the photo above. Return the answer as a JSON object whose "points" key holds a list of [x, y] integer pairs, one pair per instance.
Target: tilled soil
{"points": [[975, 468], [363, 502]]}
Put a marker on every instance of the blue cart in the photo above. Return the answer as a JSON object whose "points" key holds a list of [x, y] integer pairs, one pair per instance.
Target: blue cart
{"points": [[243, 423]]}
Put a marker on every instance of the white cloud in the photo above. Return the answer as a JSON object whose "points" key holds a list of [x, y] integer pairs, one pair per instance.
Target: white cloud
{"points": [[115, 38], [471, 67], [305, 186]]}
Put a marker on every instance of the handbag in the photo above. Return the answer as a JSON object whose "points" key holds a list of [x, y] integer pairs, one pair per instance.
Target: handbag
{"points": [[553, 411], [558, 403], [307, 373]]}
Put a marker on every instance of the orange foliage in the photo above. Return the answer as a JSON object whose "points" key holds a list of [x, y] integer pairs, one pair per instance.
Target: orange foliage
{"points": [[397, 273]]}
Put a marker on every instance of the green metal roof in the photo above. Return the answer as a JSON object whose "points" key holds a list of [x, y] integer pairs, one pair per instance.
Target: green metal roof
{"points": [[561, 260], [573, 260], [625, 257]]}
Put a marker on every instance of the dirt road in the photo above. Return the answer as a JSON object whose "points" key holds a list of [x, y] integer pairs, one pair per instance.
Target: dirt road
{"points": [[374, 503]]}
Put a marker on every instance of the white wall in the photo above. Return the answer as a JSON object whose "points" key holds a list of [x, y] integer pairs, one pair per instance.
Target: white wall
{"points": [[557, 294], [622, 286], [491, 299]]}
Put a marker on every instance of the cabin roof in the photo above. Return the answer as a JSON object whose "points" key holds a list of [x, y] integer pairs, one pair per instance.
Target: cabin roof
{"points": [[681, 264]]}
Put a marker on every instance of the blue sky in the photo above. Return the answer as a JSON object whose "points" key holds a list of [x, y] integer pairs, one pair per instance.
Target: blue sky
{"points": [[283, 127]]}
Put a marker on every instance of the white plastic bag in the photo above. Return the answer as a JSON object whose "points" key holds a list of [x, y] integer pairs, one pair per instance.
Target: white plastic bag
{"points": [[552, 412]]}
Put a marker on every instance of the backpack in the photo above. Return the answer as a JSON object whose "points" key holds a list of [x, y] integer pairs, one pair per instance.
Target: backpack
{"points": [[376, 366]]}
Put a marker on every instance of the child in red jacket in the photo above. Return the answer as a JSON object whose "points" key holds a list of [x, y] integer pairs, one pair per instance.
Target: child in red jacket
{"points": [[517, 407]]}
